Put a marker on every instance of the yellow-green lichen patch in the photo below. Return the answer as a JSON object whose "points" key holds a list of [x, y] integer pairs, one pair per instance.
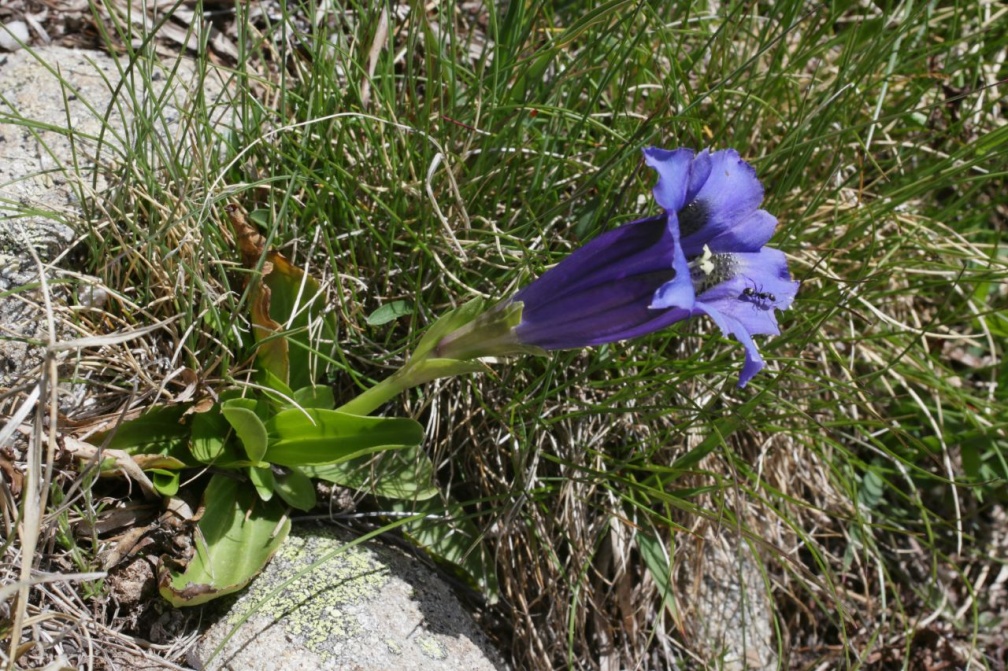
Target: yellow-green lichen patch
{"points": [[393, 647], [431, 647], [308, 586]]}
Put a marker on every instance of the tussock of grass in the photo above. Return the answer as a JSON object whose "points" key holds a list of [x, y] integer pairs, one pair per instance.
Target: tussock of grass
{"points": [[855, 488]]}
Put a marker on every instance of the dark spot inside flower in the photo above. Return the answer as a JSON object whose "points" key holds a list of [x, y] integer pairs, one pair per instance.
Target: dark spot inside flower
{"points": [[692, 218]]}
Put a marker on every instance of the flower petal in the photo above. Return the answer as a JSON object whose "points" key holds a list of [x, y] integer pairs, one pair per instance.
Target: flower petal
{"points": [[673, 168], [731, 326], [754, 313], [699, 173], [678, 292], [729, 195], [640, 247], [603, 291], [748, 235], [768, 271], [597, 318], [761, 286]]}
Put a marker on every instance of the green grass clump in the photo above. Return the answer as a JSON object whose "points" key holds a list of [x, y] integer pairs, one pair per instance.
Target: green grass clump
{"points": [[418, 156]]}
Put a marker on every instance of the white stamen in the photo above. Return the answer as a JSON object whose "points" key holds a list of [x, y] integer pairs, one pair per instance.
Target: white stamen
{"points": [[706, 264], [709, 269]]}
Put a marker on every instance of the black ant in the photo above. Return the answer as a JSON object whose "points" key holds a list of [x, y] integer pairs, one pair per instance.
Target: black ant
{"points": [[758, 295]]}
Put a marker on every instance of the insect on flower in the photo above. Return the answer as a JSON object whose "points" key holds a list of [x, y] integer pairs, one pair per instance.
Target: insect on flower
{"points": [[760, 298]]}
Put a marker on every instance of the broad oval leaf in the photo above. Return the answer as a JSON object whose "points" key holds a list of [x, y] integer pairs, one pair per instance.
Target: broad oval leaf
{"points": [[315, 396], [291, 322], [299, 437], [297, 303], [208, 442], [236, 537], [273, 352], [262, 479], [389, 312], [248, 427], [275, 389], [238, 401], [161, 430], [166, 482], [149, 462], [296, 489], [271, 346]]}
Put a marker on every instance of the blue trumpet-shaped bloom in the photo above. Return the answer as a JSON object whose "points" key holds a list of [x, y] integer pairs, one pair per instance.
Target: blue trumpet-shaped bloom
{"points": [[704, 255]]}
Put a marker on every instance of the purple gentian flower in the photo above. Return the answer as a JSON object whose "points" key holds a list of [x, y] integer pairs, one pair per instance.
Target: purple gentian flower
{"points": [[704, 255]]}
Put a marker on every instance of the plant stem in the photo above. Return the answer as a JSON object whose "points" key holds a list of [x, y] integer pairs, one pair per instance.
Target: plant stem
{"points": [[371, 399], [417, 371]]}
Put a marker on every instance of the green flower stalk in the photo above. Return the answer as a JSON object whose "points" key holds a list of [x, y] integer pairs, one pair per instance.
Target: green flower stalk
{"points": [[449, 348]]}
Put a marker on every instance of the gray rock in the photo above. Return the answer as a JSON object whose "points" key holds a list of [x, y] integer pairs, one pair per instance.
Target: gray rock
{"points": [[729, 617], [364, 607], [54, 105], [48, 123], [37, 191], [12, 35]]}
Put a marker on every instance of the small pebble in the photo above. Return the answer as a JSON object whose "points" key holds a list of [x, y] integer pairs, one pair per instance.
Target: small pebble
{"points": [[92, 296], [13, 35]]}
